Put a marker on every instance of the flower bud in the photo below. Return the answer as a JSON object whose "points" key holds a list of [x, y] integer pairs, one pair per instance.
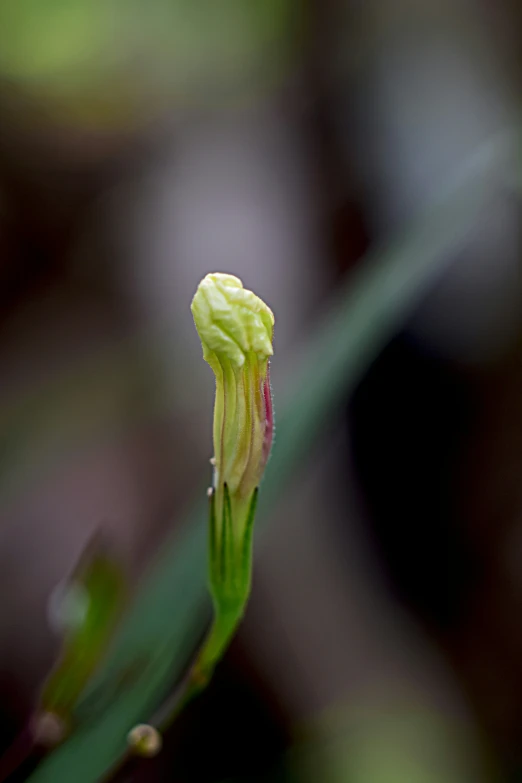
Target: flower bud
{"points": [[236, 328]]}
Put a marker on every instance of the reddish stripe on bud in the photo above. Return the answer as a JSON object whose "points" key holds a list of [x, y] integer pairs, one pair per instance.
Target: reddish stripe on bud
{"points": [[269, 417]]}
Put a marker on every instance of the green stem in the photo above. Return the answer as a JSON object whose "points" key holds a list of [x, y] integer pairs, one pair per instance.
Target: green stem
{"points": [[221, 631]]}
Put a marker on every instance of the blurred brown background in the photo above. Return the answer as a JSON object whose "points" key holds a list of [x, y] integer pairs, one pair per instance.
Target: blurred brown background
{"points": [[144, 144]]}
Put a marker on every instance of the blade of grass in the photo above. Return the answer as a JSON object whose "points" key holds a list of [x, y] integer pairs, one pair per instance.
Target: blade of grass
{"points": [[167, 616]]}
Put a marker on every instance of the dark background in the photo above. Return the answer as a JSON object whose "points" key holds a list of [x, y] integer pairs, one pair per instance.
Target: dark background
{"points": [[145, 144]]}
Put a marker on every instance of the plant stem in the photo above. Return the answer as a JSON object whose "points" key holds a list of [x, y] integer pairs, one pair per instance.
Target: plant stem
{"points": [[220, 634]]}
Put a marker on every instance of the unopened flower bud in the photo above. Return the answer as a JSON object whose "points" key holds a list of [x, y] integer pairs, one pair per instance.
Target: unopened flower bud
{"points": [[236, 331]]}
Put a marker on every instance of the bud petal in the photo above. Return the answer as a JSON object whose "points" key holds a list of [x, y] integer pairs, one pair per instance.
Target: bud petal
{"points": [[236, 328]]}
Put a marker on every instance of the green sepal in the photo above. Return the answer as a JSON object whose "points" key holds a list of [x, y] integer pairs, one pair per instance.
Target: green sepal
{"points": [[230, 551]]}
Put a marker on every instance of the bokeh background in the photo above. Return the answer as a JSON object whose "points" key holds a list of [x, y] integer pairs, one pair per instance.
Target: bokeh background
{"points": [[146, 143]]}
